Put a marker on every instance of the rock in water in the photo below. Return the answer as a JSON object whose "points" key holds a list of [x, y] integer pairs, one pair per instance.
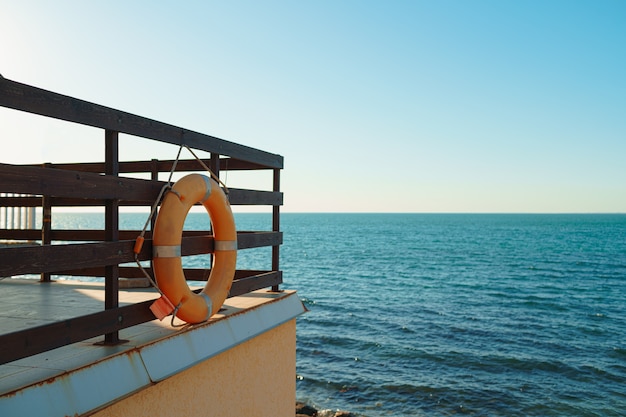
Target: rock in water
{"points": [[303, 409]]}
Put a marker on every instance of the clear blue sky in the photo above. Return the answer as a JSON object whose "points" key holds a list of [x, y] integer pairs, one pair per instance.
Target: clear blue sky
{"points": [[410, 106]]}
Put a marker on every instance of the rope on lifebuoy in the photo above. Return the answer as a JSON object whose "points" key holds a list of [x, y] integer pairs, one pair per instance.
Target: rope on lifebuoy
{"points": [[176, 297]]}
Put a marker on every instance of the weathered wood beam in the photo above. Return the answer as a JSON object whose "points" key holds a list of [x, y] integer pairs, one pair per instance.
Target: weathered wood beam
{"points": [[91, 186], [35, 100], [35, 259], [183, 165], [63, 183]]}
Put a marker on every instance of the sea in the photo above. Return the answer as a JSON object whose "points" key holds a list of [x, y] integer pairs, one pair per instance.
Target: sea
{"points": [[449, 314]]}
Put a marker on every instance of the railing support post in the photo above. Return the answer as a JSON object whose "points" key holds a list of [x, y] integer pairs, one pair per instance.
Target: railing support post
{"points": [[276, 227], [214, 166], [112, 230], [46, 227], [154, 176]]}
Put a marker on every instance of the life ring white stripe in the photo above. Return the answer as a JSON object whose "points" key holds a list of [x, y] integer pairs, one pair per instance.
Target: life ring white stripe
{"points": [[225, 245], [166, 251]]}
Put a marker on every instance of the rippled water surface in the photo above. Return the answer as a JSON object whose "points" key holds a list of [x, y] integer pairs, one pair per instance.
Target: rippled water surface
{"points": [[437, 315], [425, 314]]}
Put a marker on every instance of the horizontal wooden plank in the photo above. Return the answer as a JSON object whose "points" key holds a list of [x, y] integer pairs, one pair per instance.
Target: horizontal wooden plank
{"points": [[63, 183], [83, 235], [124, 272], [241, 197], [28, 342], [237, 197], [68, 202], [191, 274], [183, 165], [49, 258], [20, 234], [248, 240], [35, 259], [245, 239], [255, 282], [35, 100], [20, 201], [87, 185]]}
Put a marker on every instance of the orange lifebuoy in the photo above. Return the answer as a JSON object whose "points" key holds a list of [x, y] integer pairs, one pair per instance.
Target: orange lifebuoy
{"points": [[167, 237]]}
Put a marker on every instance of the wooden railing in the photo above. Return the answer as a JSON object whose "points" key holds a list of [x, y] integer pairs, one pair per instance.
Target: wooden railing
{"points": [[99, 253]]}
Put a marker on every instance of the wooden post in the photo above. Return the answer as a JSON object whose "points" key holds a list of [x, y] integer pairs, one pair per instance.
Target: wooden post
{"points": [[112, 230], [214, 165], [276, 227], [46, 227], [154, 176]]}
